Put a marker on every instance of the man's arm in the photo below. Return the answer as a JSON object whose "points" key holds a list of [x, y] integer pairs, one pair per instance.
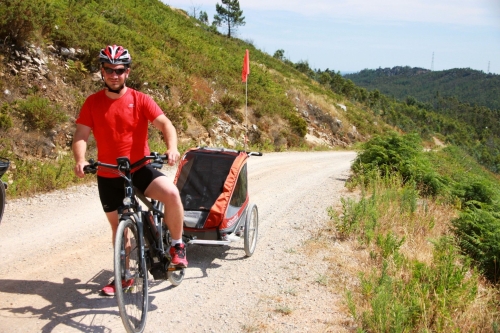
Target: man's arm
{"points": [[170, 136], [80, 138]]}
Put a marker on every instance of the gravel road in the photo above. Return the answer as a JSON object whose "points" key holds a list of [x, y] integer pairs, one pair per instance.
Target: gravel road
{"points": [[56, 254]]}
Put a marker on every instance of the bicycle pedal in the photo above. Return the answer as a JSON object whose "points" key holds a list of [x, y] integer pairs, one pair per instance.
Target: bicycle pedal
{"points": [[175, 268]]}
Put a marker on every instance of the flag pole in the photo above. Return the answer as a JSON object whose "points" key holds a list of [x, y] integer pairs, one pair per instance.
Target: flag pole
{"points": [[246, 113], [244, 77]]}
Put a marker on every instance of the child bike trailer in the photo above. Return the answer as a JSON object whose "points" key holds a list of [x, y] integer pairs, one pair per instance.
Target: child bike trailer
{"points": [[213, 187]]}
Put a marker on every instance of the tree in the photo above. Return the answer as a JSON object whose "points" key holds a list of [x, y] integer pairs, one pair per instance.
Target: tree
{"points": [[203, 17], [229, 14], [279, 54]]}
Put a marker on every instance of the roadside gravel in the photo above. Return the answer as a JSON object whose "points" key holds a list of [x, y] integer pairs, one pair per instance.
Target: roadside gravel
{"points": [[56, 253]]}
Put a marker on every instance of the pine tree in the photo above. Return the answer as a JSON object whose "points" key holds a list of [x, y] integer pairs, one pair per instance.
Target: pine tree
{"points": [[229, 15]]}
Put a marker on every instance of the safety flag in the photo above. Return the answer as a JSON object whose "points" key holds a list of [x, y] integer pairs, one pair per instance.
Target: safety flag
{"points": [[246, 67]]}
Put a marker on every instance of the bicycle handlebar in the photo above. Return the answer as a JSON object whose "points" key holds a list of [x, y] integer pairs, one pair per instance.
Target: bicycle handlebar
{"points": [[123, 163]]}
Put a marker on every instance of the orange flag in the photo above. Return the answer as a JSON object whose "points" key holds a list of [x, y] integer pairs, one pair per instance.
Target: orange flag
{"points": [[246, 67]]}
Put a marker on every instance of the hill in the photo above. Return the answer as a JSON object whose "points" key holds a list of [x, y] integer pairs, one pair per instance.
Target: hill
{"points": [[48, 65], [465, 84]]}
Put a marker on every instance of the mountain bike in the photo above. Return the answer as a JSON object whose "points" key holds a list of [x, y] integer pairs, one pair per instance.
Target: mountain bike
{"points": [[141, 244], [4, 165]]}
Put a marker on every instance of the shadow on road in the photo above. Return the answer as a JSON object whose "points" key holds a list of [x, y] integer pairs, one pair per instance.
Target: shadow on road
{"points": [[77, 305], [71, 303], [202, 257]]}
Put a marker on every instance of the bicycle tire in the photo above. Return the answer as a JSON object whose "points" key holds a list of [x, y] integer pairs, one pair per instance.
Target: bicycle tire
{"points": [[251, 230], [2, 200], [133, 298]]}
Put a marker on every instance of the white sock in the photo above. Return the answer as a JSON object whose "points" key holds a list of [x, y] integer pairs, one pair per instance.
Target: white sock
{"points": [[176, 241]]}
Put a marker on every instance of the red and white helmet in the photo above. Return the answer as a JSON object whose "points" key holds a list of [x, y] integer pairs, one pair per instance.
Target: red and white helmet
{"points": [[115, 54]]}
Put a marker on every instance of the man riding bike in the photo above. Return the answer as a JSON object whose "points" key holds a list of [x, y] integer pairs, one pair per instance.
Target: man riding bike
{"points": [[118, 117]]}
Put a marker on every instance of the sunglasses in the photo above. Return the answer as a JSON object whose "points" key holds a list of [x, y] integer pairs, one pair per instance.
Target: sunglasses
{"points": [[118, 71]]}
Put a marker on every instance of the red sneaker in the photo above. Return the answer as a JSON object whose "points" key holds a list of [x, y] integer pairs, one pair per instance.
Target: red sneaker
{"points": [[110, 290], [178, 254]]}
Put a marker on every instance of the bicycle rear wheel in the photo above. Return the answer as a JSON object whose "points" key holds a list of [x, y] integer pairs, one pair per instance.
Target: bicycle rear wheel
{"points": [[131, 280]]}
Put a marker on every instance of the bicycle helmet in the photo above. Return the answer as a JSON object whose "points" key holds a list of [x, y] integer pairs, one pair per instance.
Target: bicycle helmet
{"points": [[116, 55]]}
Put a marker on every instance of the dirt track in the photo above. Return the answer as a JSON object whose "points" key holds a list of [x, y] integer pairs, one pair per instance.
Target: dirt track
{"points": [[56, 253]]}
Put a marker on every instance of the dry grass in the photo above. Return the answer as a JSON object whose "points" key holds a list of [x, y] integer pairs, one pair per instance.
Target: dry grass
{"points": [[349, 259]]}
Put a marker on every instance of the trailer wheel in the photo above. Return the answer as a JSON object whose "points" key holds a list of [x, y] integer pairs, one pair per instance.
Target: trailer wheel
{"points": [[176, 277], [251, 230]]}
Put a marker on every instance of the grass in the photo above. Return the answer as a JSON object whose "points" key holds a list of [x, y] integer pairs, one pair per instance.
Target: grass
{"points": [[283, 309], [411, 274]]}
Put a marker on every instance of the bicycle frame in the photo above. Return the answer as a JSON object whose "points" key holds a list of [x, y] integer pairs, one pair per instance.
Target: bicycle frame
{"points": [[157, 262]]}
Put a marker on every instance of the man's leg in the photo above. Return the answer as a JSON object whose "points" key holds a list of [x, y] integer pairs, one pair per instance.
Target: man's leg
{"points": [[165, 191], [113, 222], [111, 194]]}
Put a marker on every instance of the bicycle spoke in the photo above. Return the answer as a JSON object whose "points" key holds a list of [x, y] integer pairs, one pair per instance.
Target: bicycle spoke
{"points": [[130, 278]]}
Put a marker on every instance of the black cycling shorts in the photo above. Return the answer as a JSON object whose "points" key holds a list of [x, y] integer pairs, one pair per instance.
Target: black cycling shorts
{"points": [[112, 190]]}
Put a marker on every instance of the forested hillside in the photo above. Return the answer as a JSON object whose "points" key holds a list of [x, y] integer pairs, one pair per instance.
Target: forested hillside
{"points": [[464, 84]]}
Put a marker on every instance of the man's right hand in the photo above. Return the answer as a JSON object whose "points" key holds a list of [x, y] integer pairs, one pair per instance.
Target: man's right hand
{"points": [[79, 168], [80, 138]]}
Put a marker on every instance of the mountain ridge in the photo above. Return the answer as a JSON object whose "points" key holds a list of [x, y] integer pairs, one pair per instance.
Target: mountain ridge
{"points": [[467, 85]]}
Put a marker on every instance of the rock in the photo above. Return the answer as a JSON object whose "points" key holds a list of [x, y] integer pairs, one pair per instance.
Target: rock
{"points": [[65, 52], [342, 106], [96, 76]]}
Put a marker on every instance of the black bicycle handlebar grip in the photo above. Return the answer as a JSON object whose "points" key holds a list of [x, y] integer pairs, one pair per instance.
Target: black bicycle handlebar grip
{"points": [[90, 168]]}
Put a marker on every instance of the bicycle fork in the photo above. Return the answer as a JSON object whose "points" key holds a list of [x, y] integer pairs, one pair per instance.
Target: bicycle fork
{"points": [[125, 252]]}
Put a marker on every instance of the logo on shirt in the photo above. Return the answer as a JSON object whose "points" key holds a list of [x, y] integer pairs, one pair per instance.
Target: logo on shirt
{"points": [[131, 105]]}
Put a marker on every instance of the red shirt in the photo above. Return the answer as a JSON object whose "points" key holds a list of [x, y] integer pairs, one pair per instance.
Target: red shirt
{"points": [[120, 126]]}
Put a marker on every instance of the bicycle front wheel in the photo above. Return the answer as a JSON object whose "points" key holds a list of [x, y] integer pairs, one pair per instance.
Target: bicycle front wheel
{"points": [[2, 199], [131, 280]]}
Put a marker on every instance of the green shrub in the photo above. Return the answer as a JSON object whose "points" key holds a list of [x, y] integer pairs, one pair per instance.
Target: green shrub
{"points": [[478, 231], [201, 113], [476, 190], [230, 104], [31, 177], [298, 124], [5, 119], [38, 113], [400, 154], [21, 19]]}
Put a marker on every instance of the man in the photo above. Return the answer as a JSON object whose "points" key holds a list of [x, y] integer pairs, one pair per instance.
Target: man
{"points": [[118, 116]]}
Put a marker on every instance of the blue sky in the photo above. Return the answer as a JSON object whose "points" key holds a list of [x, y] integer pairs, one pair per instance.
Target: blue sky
{"points": [[351, 35]]}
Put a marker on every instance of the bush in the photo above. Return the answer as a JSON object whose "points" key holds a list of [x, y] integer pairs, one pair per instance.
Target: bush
{"points": [[229, 104], [39, 114], [20, 19], [476, 191], [400, 154], [298, 124], [5, 120], [478, 230]]}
